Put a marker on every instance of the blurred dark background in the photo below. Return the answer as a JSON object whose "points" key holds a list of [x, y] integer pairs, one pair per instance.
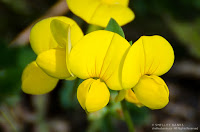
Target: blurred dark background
{"points": [[177, 21]]}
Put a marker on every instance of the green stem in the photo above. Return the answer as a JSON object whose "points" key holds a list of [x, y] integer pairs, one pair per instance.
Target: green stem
{"points": [[8, 120], [127, 116], [40, 104]]}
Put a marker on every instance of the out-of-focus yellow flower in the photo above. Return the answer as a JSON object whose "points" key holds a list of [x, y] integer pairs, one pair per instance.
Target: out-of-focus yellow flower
{"points": [[148, 58], [98, 58], [99, 12], [52, 40]]}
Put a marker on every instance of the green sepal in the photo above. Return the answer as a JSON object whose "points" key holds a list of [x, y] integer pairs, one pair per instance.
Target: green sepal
{"points": [[113, 26], [131, 42]]}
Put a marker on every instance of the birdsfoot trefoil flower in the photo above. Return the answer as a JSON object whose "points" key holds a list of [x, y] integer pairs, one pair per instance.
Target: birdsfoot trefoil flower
{"points": [[97, 58], [148, 58], [52, 40], [107, 58], [99, 12]]}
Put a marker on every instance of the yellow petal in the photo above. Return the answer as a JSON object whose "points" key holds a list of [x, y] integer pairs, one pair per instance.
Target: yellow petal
{"points": [[41, 38], [99, 54], [35, 81], [86, 58], [105, 12], [133, 65], [82, 91], [130, 97], [116, 2], [98, 96], [159, 55], [152, 92], [62, 34], [93, 95], [148, 55], [99, 12], [53, 62], [113, 62]]}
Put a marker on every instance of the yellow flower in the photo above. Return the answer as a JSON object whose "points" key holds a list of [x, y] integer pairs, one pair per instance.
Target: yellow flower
{"points": [[98, 58], [52, 40], [148, 58], [99, 12], [107, 59]]}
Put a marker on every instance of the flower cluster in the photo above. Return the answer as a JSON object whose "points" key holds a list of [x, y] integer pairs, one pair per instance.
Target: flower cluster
{"points": [[104, 59]]}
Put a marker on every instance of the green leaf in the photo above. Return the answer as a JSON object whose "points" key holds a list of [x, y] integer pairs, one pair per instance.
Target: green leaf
{"points": [[113, 26]]}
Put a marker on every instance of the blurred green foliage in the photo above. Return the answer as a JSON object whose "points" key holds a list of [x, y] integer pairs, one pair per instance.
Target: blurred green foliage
{"points": [[67, 95], [188, 33], [18, 6], [140, 115], [12, 63], [178, 21], [180, 9]]}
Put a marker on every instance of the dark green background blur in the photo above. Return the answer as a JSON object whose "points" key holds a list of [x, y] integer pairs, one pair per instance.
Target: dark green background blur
{"points": [[176, 20]]}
